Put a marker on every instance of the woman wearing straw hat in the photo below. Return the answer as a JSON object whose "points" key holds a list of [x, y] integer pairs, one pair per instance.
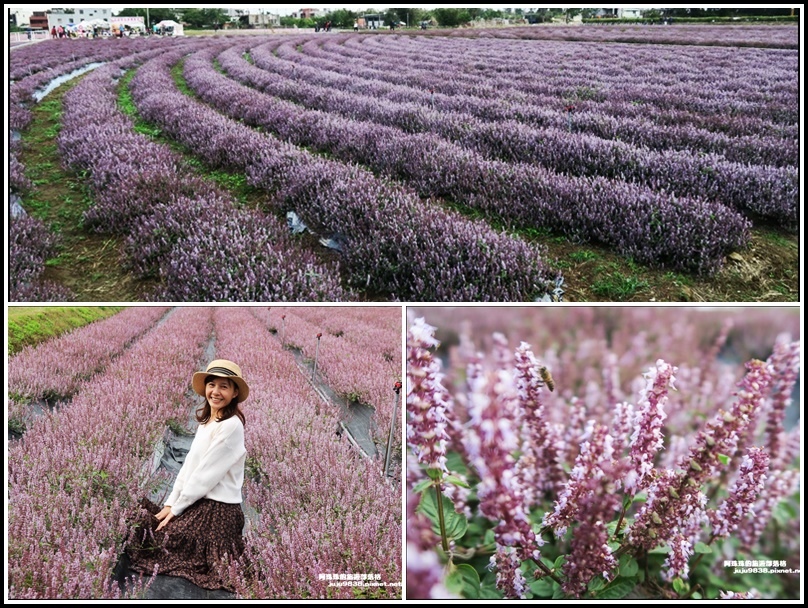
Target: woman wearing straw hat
{"points": [[198, 530]]}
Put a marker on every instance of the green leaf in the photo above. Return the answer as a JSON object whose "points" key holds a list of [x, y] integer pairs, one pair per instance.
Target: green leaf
{"points": [[560, 561], [454, 462], [456, 524], [435, 474], [455, 480], [618, 589], [641, 497], [543, 587], [490, 593], [679, 586], [558, 594], [628, 566], [661, 549], [489, 538], [724, 459], [702, 548], [464, 581], [596, 584], [421, 486]]}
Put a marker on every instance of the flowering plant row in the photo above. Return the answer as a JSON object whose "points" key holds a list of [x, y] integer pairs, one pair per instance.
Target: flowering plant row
{"points": [[77, 472], [681, 233], [348, 347], [687, 69], [234, 255], [315, 507], [57, 368], [391, 239], [648, 114], [773, 36], [520, 487], [30, 241], [767, 191], [322, 509]]}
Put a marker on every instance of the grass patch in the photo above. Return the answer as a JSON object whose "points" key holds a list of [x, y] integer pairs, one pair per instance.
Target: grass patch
{"points": [[618, 286], [31, 325], [583, 255], [235, 183], [179, 79]]}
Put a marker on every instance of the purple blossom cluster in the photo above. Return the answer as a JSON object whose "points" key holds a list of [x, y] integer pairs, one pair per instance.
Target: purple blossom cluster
{"points": [[352, 343], [669, 469], [75, 476], [647, 438], [743, 494], [59, 367], [683, 233], [30, 244], [317, 505], [427, 398]]}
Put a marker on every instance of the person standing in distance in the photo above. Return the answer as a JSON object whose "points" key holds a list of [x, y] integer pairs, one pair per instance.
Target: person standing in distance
{"points": [[198, 532]]}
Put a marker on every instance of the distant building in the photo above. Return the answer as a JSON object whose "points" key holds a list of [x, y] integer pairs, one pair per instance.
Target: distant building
{"points": [[620, 13], [77, 15], [260, 20], [371, 22], [38, 21], [630, 13], [19, 17], [308, 13]]}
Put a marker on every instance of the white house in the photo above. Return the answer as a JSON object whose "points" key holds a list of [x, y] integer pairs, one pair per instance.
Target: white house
{"points": [[77, 15]]}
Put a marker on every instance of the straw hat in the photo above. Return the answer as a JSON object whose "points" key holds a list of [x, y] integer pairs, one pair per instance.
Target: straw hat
{"points": [[223, 369]]}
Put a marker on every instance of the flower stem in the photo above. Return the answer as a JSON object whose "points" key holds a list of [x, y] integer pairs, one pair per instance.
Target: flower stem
{"points": [[626, 505], [543, 567], [443, 539]]}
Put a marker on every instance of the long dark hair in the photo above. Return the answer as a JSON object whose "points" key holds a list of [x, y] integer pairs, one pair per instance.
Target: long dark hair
{"points": [[204, 412]]}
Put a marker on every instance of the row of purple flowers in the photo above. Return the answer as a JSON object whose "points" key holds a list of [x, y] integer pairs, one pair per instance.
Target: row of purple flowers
{"points": [[759, 191], [680, 233], [394, 243]]}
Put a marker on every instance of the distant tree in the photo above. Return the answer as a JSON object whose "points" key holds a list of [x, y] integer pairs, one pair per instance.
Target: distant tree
{"points": [[390, 17], [156, 15], [451, 17], [341, 18], [292, 22], [411, 16], [200, 18]]}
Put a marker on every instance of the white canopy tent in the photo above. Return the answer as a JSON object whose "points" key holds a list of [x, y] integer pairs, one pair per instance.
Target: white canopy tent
{"points": [[172, 28], [93, 23]]}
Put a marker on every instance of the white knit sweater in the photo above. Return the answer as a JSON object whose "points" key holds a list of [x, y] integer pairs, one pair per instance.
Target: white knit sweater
{"points": [[213, 467]]}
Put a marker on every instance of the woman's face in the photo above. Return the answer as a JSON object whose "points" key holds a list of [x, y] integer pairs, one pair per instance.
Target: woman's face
{"points": [[219, 393]]}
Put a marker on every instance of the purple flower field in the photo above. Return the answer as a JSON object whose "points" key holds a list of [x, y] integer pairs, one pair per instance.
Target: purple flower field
{"points": [[316, 506], [638, 453], [434, 177]]}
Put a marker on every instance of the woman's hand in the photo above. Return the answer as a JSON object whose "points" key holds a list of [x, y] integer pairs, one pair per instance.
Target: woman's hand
{"points": [[164, 517]]}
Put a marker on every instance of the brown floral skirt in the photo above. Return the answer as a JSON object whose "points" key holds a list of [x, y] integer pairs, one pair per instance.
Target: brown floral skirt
{"points": [[198, 545]]}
